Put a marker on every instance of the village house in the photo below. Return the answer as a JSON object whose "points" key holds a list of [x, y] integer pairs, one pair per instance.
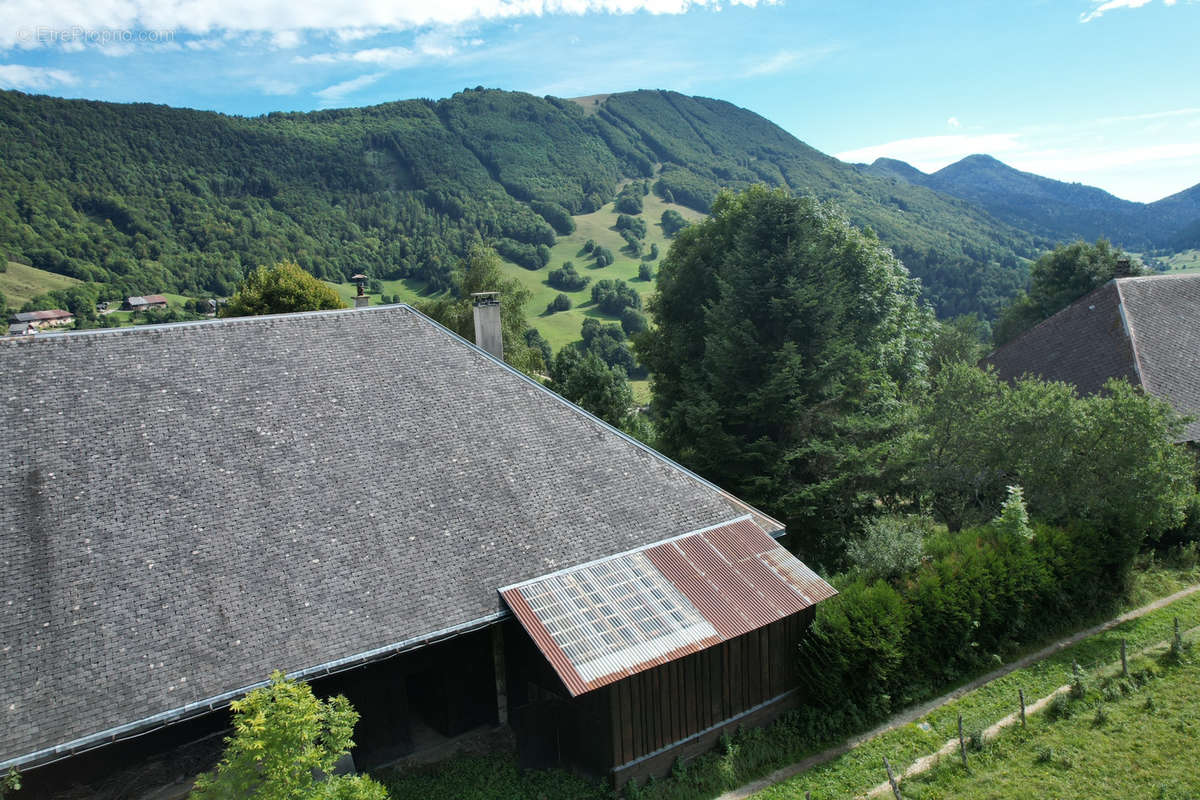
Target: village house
{"points": [[1144, 329], [140, 303], [368, 502], [51, 318]]}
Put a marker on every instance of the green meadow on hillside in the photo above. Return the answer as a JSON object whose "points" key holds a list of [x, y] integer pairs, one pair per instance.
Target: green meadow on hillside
{"points": [[21, 283], [562, 327]]}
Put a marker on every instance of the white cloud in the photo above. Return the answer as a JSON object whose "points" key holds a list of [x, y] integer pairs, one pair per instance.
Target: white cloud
{"points": [[787, 59], [1101, 6], [32, 79], [274, 87], [332, 95], [287, 40], [953, 122], [348, 19]]}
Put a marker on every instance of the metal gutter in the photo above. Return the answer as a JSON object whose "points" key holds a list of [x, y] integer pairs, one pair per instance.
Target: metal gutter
{"points": [[200, 707]]}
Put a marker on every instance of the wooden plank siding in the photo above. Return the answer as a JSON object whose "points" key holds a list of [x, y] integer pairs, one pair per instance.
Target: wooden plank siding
{"points": [[659, 707]]}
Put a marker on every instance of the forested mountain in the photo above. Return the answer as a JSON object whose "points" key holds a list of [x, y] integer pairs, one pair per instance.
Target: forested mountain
{"points": [[150, 198], [1058, 210]]}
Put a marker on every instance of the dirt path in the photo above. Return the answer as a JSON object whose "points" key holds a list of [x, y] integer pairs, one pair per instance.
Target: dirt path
{"points": [[916, 712]]}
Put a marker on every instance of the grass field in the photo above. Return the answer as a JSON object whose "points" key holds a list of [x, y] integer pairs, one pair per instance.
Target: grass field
{"points": [[1141, 742], [562, 328], [1187, 260], [20, 283], [856, 772]]}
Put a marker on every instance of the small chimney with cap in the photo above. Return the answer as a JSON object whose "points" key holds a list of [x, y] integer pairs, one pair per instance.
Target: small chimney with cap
{"points": [[487, 322], [360, 300], [1124, 268]]}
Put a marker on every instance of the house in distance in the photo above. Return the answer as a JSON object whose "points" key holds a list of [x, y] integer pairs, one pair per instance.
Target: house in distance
{"points": [[141, 303], [368, 502], [1145, 329]]}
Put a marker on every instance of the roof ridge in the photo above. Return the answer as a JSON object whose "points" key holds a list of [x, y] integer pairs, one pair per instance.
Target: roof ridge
{"points": [[216, 321], [751, 510]]}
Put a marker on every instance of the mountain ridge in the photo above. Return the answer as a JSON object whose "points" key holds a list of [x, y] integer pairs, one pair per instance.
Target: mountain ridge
{"points": [[1058, 209], [147, 198]]}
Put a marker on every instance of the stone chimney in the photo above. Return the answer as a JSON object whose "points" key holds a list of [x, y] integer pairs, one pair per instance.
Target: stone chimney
{"points": [[487, 322], [1124, 268], [361, 300]]}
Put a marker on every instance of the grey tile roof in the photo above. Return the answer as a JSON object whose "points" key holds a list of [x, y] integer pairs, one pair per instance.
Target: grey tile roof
{"points": [[1144, 329], [1164, 323], [185, 508]]}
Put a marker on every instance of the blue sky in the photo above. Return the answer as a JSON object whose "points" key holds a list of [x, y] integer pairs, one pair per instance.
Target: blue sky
{"points": [[1103, 92]]}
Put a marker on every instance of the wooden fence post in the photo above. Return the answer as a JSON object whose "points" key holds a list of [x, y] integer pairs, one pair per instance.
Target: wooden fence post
{"points": [[892, 779], [1124, 662], [1178, 640], [1021, 695], [962, 744]]}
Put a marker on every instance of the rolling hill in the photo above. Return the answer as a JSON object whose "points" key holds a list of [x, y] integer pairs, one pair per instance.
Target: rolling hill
{"points": [[146, 198]]}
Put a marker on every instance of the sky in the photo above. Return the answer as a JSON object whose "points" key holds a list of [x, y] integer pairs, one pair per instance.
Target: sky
{"points": [[1100, 92]]}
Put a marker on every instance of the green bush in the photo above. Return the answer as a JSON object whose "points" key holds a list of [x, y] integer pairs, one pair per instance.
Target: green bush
{"points": [[889, 546]]}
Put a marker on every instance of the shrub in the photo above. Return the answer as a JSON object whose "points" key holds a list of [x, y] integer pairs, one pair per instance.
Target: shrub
{"points": [[890, 546], [632, 321], [614, 296], [567, 278], [560, 303], [645, 273]]}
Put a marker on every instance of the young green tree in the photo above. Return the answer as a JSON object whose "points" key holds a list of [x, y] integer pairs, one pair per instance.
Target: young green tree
{"points": [[784, 341], [281, 289], [284, 746], [480, 272]]}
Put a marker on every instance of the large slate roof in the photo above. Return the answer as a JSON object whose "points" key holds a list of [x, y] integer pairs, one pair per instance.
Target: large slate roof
{"points": [[1144, 329], [185, 508]]}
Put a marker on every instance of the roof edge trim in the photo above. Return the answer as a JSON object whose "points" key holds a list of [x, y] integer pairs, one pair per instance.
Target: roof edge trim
{"points": [[48, 755], [614, 556]]}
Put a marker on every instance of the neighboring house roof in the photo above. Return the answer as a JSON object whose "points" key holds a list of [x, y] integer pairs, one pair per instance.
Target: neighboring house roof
{"points": [[147, 300], [18, 328], [50, 315], [1144, 329], [603, 621], [302, 492]]}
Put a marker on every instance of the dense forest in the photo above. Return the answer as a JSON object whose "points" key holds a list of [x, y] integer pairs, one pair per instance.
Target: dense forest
{"points": [[146, 198]]}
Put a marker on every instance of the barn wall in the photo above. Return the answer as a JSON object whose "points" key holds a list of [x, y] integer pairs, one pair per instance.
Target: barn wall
{"points": [[657, 708], [639, 725]]}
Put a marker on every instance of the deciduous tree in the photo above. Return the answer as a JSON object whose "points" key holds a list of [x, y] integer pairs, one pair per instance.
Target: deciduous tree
{"points": [[281, 289], [284, 746]]}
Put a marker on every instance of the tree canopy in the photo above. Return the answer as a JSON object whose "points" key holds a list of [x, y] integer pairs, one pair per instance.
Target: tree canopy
{"points": [[1105, 460], [1058, 279], [480, 272], [785, 339], [281, 289]]}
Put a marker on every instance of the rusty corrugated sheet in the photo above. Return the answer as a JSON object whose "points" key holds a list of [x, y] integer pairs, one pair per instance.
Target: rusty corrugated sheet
{"points": [[602, 621]]}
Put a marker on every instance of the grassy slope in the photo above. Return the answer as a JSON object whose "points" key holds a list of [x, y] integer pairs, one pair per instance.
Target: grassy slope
{"points": [[563, 327], [859, 770], [21, 284], [1138, 748]]}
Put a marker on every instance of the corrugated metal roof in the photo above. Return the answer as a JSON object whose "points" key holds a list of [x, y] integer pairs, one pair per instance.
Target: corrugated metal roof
{"points": [[607, 619]]}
